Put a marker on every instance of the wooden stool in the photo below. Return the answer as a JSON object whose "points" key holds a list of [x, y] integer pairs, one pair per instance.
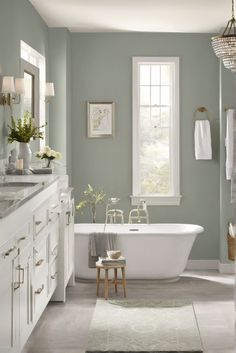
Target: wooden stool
{"points": [[106, 268]]}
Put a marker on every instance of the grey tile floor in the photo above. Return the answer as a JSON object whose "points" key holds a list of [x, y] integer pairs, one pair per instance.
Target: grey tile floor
{"points": [[63, 328]]}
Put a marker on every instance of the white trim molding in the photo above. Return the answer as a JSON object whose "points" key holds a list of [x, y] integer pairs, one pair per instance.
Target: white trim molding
{"points": [[174, 197], [202, 265], [156, 200], [226, 268], [211, 265]]}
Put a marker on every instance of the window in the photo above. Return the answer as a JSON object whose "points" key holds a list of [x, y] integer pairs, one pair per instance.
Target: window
{"points": [[156, 130]]}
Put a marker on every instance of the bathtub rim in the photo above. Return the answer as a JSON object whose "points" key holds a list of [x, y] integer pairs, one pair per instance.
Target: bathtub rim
{"points": [[80, 228]]}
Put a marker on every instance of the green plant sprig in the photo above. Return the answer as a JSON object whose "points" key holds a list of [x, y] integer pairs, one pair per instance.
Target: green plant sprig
{"points": [[91, 199], [24, 129]]}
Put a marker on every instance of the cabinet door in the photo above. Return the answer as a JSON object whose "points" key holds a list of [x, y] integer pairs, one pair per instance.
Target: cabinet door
{"points": [[71, 241], [25, 281], [8, 331]]}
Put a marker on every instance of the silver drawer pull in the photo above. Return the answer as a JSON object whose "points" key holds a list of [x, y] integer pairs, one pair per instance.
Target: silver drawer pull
{"points": [[8, 252], [54, 276], [21, 270], [39, 290], [39, 262], [20, 281], [16, 286], [68, 213], [22, 238], [37, 223]]}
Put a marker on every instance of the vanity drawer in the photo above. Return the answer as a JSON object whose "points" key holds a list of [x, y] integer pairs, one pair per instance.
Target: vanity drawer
{"points": [[40, 219], [8, 251], [53, 240], [41, 256], [53, 276], [23, 236]]}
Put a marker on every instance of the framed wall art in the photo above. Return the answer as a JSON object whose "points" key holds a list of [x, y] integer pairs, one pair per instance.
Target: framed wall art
{"points": [[100, 119]]}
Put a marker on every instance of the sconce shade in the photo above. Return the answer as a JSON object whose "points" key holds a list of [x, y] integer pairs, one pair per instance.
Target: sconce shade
{"points": [[20, 85], [49, 89], [8, 84]]}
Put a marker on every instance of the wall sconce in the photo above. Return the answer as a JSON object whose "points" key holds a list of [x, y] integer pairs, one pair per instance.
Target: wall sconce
{"points": [[49, 91], [11, 91]]}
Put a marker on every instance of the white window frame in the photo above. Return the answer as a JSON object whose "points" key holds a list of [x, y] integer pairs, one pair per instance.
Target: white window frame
{"points": [[175, 197]]}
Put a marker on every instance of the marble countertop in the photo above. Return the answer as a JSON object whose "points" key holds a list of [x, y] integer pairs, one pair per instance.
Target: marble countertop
{"points": [[9, 203]]}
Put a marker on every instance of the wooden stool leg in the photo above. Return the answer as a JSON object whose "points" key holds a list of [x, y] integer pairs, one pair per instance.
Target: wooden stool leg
{"points": [[123, 280], [106, 284], [115, 280], [98, 280]]}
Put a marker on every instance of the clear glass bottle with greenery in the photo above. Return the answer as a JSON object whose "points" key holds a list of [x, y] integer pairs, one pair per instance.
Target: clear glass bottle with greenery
{"points": [[92, 198]]}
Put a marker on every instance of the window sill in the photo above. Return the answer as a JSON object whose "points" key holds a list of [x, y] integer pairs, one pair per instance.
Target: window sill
{"points": [[156, 200]]}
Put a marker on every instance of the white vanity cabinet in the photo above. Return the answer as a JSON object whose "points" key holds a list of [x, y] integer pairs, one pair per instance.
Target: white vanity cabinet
{"points": [[8, 252], [36, 242], [65, 265], [23, 285]]}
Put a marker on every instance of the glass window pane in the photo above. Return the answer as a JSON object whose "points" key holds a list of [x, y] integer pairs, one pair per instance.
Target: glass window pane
{"points": [[144, 95], [144, 74], [154, 161], [165, 74], [155, 95], [165, 117], [155, 75], [165, 95], [144, 114], [156, 117]]}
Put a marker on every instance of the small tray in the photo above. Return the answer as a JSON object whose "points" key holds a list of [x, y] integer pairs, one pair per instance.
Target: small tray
{"points": [[42, 171]]}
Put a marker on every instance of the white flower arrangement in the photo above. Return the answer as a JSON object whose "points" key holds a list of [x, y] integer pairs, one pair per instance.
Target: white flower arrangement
{"points": [[48, 154]]}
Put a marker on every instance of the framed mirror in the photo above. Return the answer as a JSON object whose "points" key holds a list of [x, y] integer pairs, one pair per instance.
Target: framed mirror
{"points": [[30, 101], [31, 98]]}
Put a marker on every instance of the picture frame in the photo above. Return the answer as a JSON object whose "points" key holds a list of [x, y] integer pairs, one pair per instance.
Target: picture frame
{"points": [[100, 119]]}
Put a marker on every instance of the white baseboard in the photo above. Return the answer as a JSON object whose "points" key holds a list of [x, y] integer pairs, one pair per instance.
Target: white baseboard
{"points": [[226, 268], [202, 265], [210, 265]]}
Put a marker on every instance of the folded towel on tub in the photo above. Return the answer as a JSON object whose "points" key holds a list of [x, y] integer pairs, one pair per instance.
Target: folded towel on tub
{"points": [[99, 243], [202, 139]]}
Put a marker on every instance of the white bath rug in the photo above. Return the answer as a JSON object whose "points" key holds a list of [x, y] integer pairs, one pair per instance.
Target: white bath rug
{"points": [[144, 326]]}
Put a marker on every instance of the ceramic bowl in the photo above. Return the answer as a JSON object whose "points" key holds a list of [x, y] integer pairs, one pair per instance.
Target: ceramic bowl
{"points": [[114, 254]]}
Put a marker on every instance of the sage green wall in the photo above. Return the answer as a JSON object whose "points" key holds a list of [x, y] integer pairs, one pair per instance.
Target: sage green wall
{"points": [[102, 70], [99, 67], [18, 21], [227, 210], [60, 105]]}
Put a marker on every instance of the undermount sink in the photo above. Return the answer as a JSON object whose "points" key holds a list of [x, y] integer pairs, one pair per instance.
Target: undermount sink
{"points": [[5, 204], [16, 191]]}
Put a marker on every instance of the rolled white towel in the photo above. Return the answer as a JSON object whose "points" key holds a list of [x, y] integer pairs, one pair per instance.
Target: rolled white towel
{"points": [[229, 143], [202, 139]]}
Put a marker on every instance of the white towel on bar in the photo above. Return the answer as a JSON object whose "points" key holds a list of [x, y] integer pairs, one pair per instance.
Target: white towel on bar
{"points": [[202, 139], [229, 142]]}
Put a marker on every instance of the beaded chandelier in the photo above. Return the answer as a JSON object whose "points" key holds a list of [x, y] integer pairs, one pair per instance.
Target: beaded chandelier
{"points": [[224, 45]]}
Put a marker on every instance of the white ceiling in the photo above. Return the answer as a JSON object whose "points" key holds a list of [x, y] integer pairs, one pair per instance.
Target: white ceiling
{"points": [[191, 16]]}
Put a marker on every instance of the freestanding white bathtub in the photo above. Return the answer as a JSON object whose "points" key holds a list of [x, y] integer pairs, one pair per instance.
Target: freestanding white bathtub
{"points": [[152, 251]]}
